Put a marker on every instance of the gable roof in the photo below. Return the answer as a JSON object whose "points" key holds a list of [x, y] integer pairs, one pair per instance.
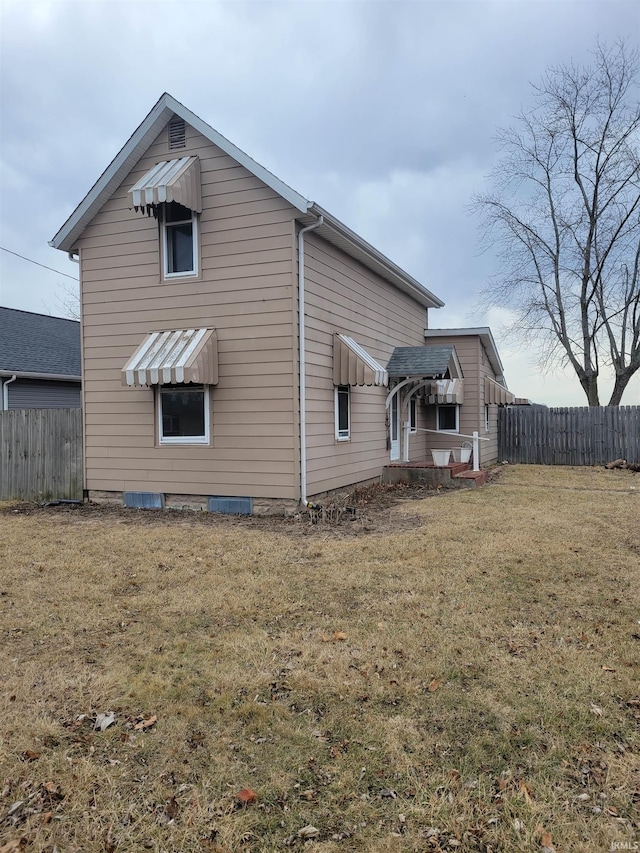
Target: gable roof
{"points": [[38, 345], [331, 229], [486, 337], [428, 361]]}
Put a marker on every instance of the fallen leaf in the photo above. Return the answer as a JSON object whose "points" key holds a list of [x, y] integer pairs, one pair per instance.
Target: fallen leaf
{"points": [[308, 832], [339, 635], [246, 796], [526, 792], [546, 839], [171, 808], [143, 724], [434, 684], [30, 755], [606, 668], [11, 846], [309, 794], [103, 721], [595, 710], [613, 811]]}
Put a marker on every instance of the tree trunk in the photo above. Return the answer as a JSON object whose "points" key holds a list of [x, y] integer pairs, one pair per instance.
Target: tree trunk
{"points": [[622, 380], [590, 387]]}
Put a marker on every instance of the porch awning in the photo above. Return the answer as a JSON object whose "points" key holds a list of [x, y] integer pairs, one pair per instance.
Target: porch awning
{"points": [[174, 357], [352, 365], [445, 391], [494, 392], [425, 362], [171, 180]]}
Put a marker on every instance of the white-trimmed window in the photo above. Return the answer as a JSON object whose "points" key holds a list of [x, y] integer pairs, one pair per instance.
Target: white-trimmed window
{"points": [[413, 414], [179, 241], [486, 417], [183, 414], [342, 407], [448, 418]]}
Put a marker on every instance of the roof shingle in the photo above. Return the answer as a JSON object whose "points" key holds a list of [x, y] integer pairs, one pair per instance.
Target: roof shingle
{"points": [[37, 343]]}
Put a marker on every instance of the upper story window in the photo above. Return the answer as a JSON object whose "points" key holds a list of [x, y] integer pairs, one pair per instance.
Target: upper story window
{"points": [[180, 241]]}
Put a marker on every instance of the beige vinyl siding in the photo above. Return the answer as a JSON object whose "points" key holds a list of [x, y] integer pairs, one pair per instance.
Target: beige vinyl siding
{"points": [[245, 289], [343, 296], [475, 366]]}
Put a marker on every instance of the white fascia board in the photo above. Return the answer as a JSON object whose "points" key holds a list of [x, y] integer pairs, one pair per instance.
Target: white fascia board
{"points": [[57, 377], [485, 335], [126, 159]]}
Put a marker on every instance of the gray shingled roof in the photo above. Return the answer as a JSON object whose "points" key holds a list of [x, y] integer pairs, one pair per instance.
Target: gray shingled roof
{"points": [[420, 361], [36, 343]]}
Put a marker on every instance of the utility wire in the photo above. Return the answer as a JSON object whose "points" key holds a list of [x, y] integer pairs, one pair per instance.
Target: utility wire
{"points": [[38, 264]]}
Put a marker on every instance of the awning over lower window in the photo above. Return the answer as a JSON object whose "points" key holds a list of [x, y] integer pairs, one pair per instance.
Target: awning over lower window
{"points": [[171, 180], [352, 365], [494, 392], [446, 391], [174, 357]]}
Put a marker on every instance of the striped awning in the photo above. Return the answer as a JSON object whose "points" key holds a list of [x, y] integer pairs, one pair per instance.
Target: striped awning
{"points": [[171, 180], [494, 392], [174, 357], [352, 365], [444, 391]]}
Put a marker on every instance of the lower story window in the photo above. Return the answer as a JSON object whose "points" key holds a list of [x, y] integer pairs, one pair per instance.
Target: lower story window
{"points": [[448, 419], [183, 414], [342, 414], [486, 418], [413, 414]]}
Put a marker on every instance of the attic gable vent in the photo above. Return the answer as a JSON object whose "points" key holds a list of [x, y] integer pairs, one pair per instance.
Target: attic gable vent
{"points": [[177, 134]]}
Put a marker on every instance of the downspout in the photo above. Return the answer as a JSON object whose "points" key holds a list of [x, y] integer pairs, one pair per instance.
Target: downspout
{"points": [[5, 392], [72, 257], [302, 362]]}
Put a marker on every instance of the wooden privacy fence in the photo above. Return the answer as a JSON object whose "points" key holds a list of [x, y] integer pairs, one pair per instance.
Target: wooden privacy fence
{"points": [[41, 454], [576, 436]]}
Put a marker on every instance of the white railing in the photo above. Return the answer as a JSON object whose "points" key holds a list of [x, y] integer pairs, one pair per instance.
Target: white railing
{"points": [[475, 436]]}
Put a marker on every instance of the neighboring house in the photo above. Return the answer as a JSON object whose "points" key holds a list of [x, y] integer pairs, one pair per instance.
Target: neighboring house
{"points": [[39, 361], [239, 342]]}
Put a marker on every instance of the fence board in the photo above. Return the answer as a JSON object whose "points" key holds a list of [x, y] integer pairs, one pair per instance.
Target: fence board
{"points": [[576, 436], [41, 454]]}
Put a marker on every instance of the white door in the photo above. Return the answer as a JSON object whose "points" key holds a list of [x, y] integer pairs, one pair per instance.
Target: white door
{"points": [[394, 429]]}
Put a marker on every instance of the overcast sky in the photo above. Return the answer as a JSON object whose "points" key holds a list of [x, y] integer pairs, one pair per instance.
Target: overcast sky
{"points": [[384, 113]]}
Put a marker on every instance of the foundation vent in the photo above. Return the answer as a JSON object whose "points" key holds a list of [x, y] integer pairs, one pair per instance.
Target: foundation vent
{"points": [[143, 500], [177, 134], [231, 506]]}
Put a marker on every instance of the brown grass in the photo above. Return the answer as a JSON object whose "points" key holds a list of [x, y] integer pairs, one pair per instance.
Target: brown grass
{"points": [[468, 683]]}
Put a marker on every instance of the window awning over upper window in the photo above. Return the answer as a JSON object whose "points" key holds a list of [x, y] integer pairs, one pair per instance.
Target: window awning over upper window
{"points": [[446, 391], [171, 180], [494, 392], [174, 357], [352, 365]]}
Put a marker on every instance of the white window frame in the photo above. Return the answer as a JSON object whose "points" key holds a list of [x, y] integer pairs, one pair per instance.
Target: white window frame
{"points": [[183, 439], [486, 418], [448, 406], [342, 434], [413, 415], [165, 246]]}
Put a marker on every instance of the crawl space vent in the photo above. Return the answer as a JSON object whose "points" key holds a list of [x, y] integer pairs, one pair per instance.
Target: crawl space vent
{"points": [[231, 506], [177, 133], [144, 500]]}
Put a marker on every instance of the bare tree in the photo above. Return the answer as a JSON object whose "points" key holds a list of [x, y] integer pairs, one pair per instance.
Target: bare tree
{"points": [[564, 213], [67, 301]]}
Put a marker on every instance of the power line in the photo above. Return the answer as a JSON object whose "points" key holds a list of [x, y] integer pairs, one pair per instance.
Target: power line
{"points": [[38, 264]]}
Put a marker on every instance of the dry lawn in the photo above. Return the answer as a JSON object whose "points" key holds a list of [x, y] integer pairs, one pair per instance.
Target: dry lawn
{"points": [[468, 683]]}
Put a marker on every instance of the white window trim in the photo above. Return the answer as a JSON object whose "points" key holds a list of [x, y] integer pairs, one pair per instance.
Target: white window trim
{"points": [[165, 255], [180, 439], [413, 415], [448, 406], [342, 435], [487, 416]]}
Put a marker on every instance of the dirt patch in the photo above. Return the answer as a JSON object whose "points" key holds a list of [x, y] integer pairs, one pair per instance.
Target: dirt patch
{"points": [[364, 511]]}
